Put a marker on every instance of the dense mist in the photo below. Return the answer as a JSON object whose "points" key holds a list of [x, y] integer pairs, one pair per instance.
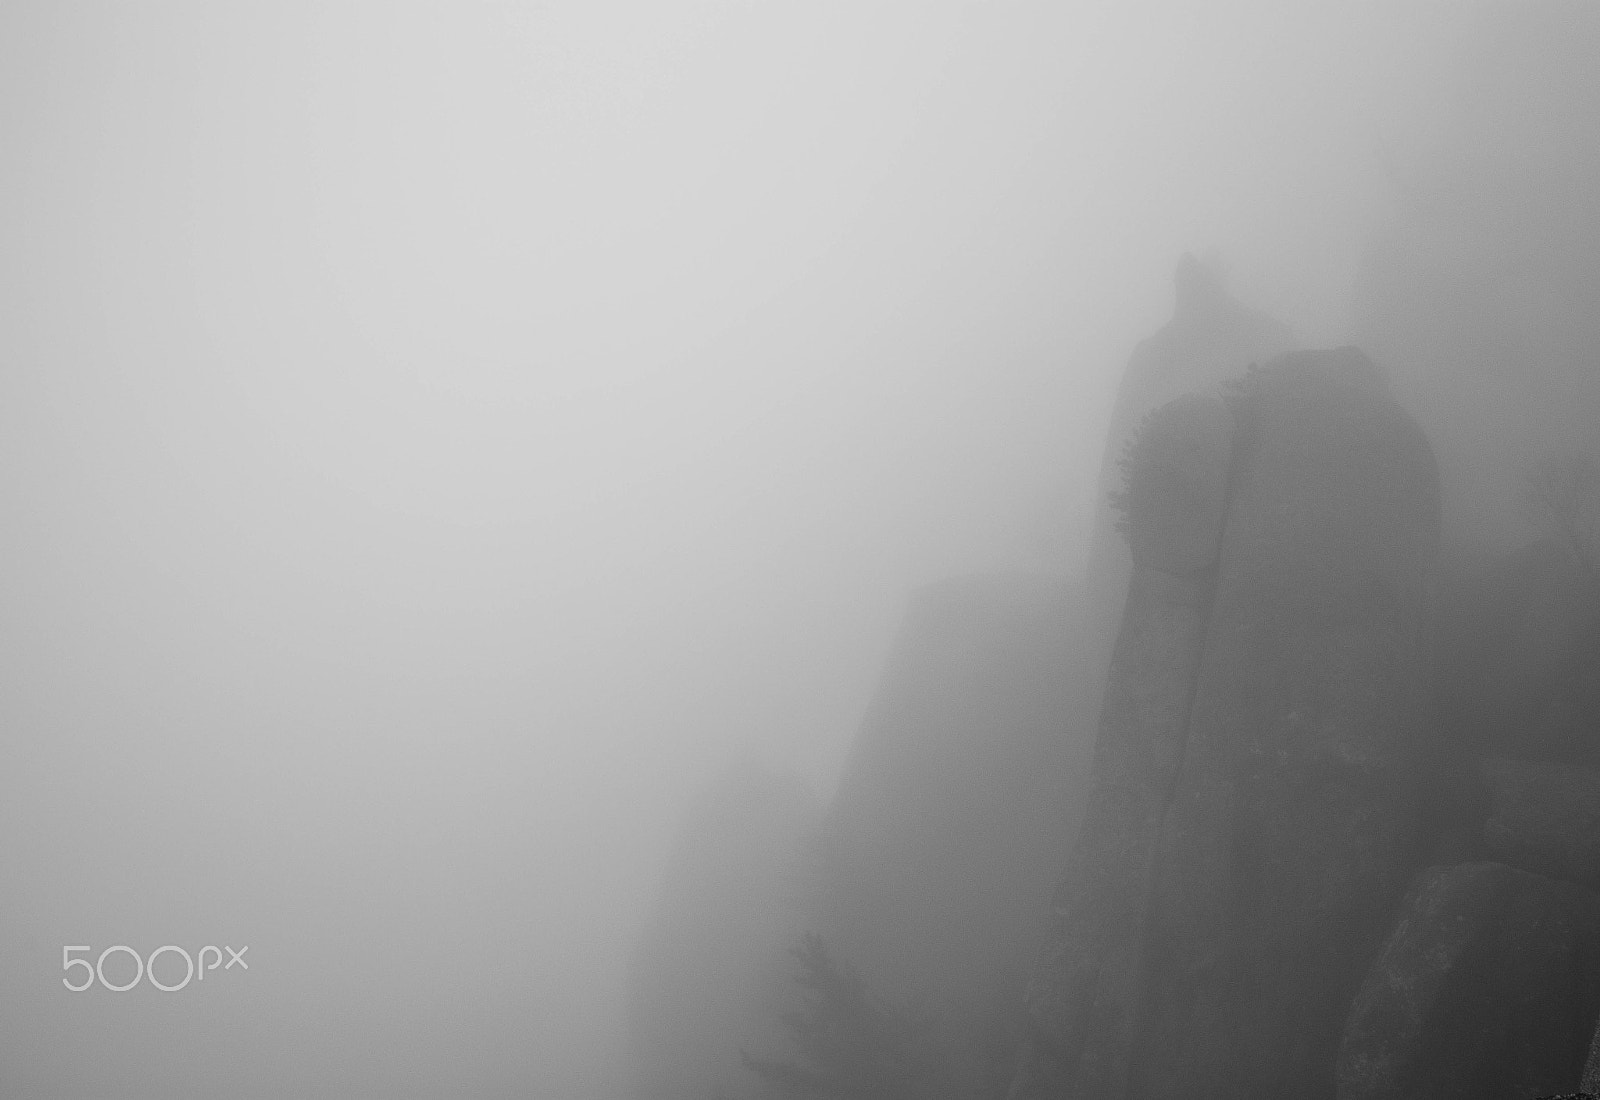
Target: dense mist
{"points": [[452, 457]]}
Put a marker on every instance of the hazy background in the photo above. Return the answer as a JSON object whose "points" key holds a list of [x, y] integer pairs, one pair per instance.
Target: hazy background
{"points": [[434, 439]]}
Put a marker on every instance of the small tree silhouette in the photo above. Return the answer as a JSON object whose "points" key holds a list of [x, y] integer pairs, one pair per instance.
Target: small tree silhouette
{"points": [[1133, 466], [852, 1046], [1152, 482]]}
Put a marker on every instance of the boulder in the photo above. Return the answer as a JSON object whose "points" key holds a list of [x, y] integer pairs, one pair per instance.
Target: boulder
{"points": [[1486, 989], [1544, 818]]}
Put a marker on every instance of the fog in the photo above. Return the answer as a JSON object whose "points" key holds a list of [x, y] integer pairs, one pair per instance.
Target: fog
{"points": [[438, 439]]}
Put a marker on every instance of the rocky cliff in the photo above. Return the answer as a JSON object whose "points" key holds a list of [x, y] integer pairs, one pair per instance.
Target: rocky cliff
{"points": [[1337, 828], [1258, 775]]}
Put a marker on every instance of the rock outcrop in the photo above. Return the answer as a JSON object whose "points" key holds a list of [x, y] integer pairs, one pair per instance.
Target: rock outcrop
{"points": [[1484, 991], [1255, 816], [1294, 826], [1086, 990]]}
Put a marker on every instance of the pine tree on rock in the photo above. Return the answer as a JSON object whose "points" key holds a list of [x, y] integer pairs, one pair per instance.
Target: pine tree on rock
{"points": [[851, 1045]]}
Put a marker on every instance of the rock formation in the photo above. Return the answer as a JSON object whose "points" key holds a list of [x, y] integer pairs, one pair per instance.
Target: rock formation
{"points": [[1484, 991], [1087, 989], [1294, 825], [1255, 816]]}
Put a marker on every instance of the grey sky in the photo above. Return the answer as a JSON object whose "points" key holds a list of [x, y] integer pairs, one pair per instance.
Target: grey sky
{"points": [[434, 438]]}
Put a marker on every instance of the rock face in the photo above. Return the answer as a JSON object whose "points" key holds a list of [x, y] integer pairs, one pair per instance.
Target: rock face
{"points": [[1484, 991], [956, 805], [1255, 813], [1544, 818], [1294, 825], [1086, 990], [1178, 486]]}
